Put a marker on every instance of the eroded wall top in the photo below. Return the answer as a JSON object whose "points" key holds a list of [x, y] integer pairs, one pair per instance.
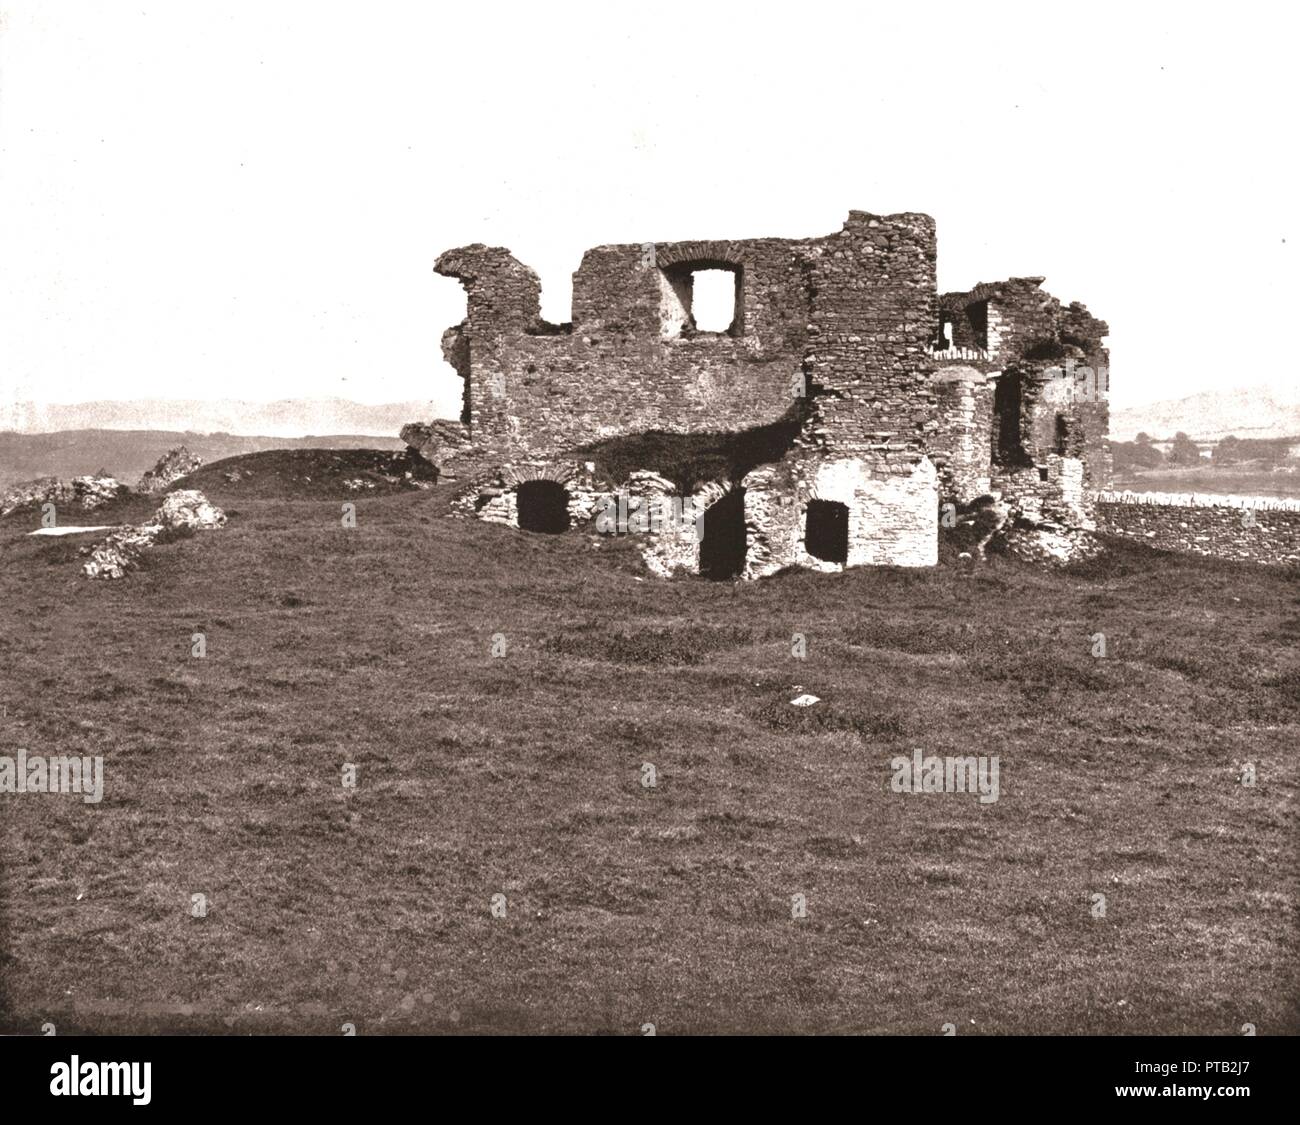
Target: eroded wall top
{"points": [[852, 312]]}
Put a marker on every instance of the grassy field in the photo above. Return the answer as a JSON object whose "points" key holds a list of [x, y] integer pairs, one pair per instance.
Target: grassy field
{"points": [[1231, 480], [520, 775]]}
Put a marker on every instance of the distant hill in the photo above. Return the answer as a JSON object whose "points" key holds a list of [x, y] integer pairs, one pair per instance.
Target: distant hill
{"points": [[292, 418], [1254, 412], [126, 454]]}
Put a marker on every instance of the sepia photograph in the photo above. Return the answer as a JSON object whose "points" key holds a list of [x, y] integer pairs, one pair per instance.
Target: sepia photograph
{"points": [[691, 520]]}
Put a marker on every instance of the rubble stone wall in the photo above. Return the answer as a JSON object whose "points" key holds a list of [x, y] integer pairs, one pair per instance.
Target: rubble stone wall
{"points": [[1046, 361], [961, 446], [896, 397], [623, 367], [873, 316], [1255, 529]]}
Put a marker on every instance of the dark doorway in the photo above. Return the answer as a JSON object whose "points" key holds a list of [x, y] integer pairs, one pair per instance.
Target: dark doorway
{"points": [[543, 506], [1009, 448], [826, 531], [722, 550]]}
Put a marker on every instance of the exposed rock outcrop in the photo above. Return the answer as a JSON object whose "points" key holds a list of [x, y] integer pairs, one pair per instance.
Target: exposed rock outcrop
{"points": [[189, 509], [170, 467], [96, 491], [33, 493], [89, 492]]}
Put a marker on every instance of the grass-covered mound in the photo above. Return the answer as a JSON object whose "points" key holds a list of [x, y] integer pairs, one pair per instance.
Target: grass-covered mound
{"points": [[312, 473], [521, 775]]}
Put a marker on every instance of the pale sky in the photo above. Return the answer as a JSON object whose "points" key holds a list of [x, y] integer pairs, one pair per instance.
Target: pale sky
{"points": [[245, 200]]}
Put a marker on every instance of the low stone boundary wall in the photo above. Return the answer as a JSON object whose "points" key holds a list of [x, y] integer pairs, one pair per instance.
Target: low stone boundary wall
{"points": [[1251, 528]]}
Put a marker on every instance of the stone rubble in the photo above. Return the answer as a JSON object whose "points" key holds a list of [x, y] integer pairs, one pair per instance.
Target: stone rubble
{"points": [[1050, 544], [181, 512]]}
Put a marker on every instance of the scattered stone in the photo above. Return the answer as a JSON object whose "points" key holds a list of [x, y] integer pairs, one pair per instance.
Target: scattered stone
{"points": [[120, 552], [1056, 546], [183, 511], [805, 700]]}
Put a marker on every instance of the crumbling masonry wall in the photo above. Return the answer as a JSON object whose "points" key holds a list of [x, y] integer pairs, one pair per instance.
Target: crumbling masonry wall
{"points": [[1031, 375], [890, 397], [538, 390]]}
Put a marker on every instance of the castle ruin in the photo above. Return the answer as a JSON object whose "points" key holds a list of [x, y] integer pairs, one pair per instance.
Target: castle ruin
{"points": [[826, 426]]}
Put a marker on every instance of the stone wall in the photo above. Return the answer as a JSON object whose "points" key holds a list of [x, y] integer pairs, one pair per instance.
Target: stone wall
{"points": [[1046, 414], [1256, 529], [853, 312], [892, 509], [961, 446], [627, 363], [873, 315], [885, 397]]}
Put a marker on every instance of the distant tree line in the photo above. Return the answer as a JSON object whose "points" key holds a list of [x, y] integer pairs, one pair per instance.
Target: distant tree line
{"points": [[1234, 450], [1142, 453]]}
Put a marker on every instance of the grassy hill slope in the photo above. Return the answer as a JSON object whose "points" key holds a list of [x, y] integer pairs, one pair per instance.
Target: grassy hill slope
{"points": [[521, 775], [126, 454]]}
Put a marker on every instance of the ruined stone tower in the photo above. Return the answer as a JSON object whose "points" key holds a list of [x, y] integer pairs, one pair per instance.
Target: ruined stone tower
{"points": [[824, 427]]}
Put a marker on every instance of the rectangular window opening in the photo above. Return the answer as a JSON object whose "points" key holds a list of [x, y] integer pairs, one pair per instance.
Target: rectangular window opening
{"points": [[826, 531], [701, 298]]}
